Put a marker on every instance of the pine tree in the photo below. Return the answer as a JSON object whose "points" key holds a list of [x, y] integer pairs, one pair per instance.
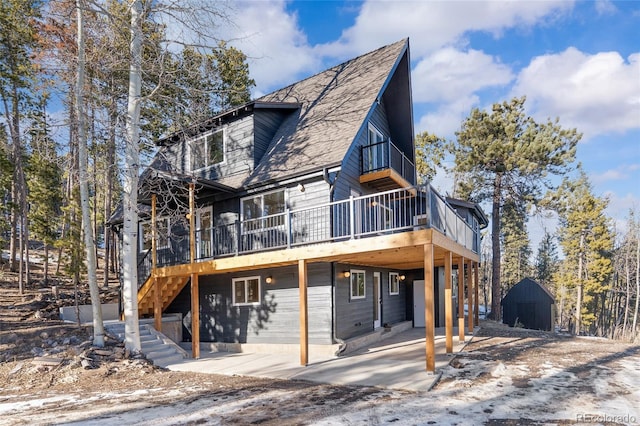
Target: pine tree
{"points": [[516, 249], [546, 262], [6, 173], [45, 185], [505, 155], [430, 150], [587, 242]]}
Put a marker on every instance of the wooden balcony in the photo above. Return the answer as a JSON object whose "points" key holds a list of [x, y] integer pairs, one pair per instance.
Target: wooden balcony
{"points": [[385, 229], [383, 166]]}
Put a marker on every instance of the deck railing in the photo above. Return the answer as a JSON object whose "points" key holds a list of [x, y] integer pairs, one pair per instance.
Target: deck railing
{"points": [[382, 213], [385, 155]]}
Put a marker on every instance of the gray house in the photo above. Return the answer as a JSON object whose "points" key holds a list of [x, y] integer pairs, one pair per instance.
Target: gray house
{"points": [[295, 220]]}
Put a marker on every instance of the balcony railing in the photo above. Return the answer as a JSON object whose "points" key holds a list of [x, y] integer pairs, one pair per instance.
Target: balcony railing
{"points": [[398, 210], [383, 156]]}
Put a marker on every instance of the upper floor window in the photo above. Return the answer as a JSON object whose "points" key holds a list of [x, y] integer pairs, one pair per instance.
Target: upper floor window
{"points": [[207, 150], [375, 135]]}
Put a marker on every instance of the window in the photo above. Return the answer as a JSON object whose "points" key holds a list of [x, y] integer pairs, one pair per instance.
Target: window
{"points": [[394, 283], [271, 203], [375, 135], [358, 286], [163, 227], [375, 154], [246, 291], [207, 150]]}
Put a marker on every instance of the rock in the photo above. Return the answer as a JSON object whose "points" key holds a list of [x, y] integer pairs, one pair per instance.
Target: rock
{"points": [[16, 369], [102, 352], [35, 351], [66, 341], [87, 364], [47, 361], [44, 335], [9, 338]]}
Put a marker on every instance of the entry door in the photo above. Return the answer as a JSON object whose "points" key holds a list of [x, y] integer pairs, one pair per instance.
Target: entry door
{"points": [[204, 229], [418, 303], [377, 300]]}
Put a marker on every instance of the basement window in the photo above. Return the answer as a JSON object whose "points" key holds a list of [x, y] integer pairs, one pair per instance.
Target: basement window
{"points": [[246, 291], [358, 286]]}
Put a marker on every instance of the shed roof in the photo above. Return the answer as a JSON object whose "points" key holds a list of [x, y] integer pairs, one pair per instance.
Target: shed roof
{"points": [[527, 282]]}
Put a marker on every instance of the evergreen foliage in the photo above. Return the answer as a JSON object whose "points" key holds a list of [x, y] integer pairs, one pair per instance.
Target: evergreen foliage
{"points": [[587, 243], [504, 155], [430, 151]]}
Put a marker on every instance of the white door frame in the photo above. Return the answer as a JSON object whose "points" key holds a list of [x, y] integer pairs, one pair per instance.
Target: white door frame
{"points": [[377, 300]]}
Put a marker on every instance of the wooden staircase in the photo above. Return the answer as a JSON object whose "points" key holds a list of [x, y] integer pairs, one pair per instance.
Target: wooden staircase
{"points": [[169, 288]]}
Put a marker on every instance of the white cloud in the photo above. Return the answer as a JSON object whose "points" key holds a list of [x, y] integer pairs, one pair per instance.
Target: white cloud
{"points": [[619, 208], [622, 172], [446, 120], [449, 74], [277, 49], [605, 7], [435, 24], [597, 93]]}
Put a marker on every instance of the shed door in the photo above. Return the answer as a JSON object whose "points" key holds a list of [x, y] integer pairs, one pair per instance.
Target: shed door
{"points": [[418, 303]]}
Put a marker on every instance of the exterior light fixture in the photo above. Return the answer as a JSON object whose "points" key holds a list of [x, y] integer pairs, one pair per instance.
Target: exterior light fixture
{"points": [[301, 187], [269, 280], [346, 274], [402, 277]]}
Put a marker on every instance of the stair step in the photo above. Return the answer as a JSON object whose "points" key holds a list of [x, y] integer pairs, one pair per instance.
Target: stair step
{"points": [[161, 352], [168, 360]]}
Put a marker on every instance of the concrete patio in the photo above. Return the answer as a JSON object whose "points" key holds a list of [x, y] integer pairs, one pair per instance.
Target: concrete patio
{"points": [[397, 362]]}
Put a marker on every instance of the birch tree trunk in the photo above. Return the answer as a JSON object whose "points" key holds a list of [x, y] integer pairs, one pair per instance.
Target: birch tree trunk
{"points": [[635, 314], [130, 184], [98, 326]]}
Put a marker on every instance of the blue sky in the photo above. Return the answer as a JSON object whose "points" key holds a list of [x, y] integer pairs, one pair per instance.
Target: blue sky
{"points": [[579, 61]]}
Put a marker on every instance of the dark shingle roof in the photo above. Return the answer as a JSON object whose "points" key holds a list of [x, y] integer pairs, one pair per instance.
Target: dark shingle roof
{"points": [[334, 105]]}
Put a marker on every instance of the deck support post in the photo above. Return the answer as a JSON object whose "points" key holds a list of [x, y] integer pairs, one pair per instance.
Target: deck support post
{"points": [[195, 316], [157, 298], [470, 298], [429, 319], [195, 288], [461, 284], [476, 311], [448, 302], [304, 326]]}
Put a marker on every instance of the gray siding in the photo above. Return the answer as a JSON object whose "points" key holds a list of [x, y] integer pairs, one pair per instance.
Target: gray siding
{"points": [[394, 307], [355, 317], [266, 123], [275, 320], [312, 223], [349, 177]]}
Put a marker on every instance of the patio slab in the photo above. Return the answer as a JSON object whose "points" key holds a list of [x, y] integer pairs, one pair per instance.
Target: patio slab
{"points": [[398, 362]]}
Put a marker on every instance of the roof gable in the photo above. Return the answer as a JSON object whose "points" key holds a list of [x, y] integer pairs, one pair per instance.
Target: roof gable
{"points": [[333, 106], [527, 285]]}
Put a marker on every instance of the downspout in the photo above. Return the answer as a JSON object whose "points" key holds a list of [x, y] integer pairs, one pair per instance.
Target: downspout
{"points": [[342, 346]]}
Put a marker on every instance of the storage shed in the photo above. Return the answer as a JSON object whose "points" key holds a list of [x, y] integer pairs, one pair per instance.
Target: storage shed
{"points": [[530, 304]]}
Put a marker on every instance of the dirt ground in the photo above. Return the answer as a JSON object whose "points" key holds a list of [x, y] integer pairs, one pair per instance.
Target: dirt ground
{"points": [[50, 374]]}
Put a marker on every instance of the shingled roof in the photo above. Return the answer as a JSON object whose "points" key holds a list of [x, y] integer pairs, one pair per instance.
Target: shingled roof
{"points": [[333, 107]]}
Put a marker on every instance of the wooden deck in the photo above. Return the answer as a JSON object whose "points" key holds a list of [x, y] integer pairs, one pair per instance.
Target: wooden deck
{"points": [[423, 248]]}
